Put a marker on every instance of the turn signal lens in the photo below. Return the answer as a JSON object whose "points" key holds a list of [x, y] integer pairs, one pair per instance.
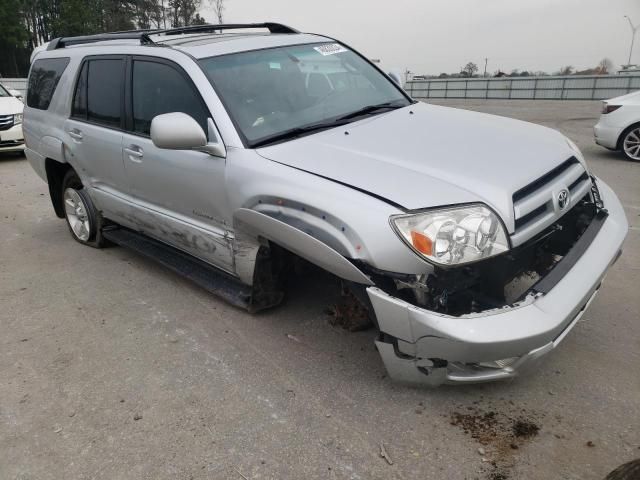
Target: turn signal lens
{"points": [[422, 243]]}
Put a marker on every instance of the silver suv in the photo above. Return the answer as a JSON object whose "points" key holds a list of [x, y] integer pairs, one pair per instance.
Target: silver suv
{"points": [[226, 152]]}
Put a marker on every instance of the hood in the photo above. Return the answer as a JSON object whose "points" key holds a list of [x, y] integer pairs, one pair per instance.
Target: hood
{"points": [[425, 156], [10, 106]]}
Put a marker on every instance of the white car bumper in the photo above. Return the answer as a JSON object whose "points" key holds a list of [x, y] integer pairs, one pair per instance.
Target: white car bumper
{"points": [[12, 140], [424, 347]]}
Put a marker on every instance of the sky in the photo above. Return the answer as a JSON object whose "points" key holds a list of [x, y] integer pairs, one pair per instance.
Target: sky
{"points": [[434, 36]]}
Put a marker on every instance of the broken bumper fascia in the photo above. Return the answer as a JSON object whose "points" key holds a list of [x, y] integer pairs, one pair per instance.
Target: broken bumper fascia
{"points": [[420, 346]]}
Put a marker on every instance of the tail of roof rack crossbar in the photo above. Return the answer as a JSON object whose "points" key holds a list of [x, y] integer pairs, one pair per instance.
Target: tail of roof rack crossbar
{"points": [[144, 35]]}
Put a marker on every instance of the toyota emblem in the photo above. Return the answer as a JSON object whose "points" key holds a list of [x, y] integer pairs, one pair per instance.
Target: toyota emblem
{"points": [[563, 199]]}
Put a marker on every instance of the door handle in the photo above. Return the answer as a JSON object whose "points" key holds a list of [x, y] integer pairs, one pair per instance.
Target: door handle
{"points": [[135, 153], [75, 134]]}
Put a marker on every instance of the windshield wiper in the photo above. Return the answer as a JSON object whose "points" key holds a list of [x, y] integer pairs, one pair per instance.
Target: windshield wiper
{"points": [[315, 127], [369, 109], [298, 132]]}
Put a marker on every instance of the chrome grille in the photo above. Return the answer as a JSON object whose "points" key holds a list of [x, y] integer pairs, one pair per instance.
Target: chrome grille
{"points": [[538, 205], [6, 122]]}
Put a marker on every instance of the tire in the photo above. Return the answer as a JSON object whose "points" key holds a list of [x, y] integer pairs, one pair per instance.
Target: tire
{"points": [[83, 220], [630, 143]]}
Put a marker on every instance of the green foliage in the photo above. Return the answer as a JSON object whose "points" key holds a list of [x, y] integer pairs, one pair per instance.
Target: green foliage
{"points": [[25, 24]]}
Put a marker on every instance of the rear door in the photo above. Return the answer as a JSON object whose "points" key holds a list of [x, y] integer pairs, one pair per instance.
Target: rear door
{"points": [[95, 130], [179, 195]]}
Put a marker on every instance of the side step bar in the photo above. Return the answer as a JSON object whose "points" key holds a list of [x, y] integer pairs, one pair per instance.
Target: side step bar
{"points": [[206, 276]]}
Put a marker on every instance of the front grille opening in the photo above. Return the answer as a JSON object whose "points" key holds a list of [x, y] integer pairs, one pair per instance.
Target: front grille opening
{"points": [[580, 179], [531, 216], [544, 180]]}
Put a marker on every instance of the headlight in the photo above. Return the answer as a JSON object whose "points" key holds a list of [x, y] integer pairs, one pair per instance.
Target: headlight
{"points": [[453, 235], [17, 119]]}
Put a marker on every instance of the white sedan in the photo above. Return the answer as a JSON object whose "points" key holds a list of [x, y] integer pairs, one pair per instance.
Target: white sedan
{"points": [[11, 137], [619, 125]]}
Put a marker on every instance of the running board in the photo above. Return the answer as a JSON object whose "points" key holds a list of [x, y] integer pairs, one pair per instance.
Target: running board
{"points": [[206, 276]]}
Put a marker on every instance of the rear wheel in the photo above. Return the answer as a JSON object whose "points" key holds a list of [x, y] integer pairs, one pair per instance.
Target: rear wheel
{"points": [[630, 144], [82, 217]]}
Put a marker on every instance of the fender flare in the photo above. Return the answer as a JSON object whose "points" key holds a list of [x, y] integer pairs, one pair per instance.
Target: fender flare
{"points": [[299, 243], [53, 148]]}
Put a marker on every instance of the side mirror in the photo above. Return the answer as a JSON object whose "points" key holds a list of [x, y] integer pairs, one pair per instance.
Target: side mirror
{"points": [[179, 131], [16, 94]]}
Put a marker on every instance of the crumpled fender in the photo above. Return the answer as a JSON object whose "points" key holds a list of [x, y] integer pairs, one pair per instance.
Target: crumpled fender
{"points": [[300, 243]]}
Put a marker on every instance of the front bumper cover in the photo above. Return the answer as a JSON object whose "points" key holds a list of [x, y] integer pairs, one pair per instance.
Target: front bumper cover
{"points": [[420, 346], [12, 140]]}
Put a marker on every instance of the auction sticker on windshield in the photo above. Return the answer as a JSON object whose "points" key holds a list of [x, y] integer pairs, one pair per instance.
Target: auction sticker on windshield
{"points": [[330, 49]]}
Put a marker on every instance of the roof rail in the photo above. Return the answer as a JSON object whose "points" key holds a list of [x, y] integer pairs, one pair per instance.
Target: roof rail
{"points": [[272, 27], [143, 35], [63, 42]]}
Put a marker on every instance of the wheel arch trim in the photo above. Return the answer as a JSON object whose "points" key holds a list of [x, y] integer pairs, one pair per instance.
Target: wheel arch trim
{"points": [[299, 243]]}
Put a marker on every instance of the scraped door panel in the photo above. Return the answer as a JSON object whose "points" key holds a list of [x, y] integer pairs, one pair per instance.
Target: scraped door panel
{"points": [[179, 195]]}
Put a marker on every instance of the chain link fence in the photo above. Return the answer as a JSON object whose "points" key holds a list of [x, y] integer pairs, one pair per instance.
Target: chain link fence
{"points": [[596, 87]]}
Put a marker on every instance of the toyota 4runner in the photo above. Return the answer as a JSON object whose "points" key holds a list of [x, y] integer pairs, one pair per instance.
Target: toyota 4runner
{"points": [[475, 242]]}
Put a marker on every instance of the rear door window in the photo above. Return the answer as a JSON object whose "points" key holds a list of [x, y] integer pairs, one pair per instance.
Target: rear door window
{"points": [[79, 107], [43, 80], [160, 88], [105, 91]]}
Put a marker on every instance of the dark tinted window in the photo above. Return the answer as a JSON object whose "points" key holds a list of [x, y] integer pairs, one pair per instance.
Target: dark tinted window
{"points": [[43, 80], [159, 88], [79, 108], [104, 91]]}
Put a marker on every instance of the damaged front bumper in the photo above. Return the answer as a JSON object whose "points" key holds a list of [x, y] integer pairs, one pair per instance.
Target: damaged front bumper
{"points": [[420, 346]]}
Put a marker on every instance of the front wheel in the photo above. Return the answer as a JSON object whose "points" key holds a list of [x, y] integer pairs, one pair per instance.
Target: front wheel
{"points": [[82, 217], [631, 143]]}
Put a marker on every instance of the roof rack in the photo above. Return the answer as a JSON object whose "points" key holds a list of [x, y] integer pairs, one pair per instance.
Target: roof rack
{"points": [[272, 27], [143, 35]]}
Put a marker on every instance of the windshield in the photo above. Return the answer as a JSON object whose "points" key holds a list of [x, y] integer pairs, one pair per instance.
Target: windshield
{"points": [[278, 90], [3, 92]]}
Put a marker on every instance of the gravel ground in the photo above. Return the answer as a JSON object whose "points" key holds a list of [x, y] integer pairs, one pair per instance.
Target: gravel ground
{"points": [[111, 367]]}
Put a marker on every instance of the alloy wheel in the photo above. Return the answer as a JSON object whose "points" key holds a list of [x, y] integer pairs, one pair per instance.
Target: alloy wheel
{"points": [[77, 215], [632, 144]]}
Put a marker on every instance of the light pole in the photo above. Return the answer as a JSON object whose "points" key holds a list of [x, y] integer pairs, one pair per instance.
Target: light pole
{"points": [[633, 36]]}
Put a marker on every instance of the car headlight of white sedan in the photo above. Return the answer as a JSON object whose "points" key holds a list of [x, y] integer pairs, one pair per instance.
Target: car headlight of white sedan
{"points": [[17, 119], [453, 235]]}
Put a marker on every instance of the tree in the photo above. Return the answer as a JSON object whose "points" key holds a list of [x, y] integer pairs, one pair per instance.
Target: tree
{"points": [[566, 70], [26, 24], [469, 70], [605, 66], [219, 8], [13, 37]]}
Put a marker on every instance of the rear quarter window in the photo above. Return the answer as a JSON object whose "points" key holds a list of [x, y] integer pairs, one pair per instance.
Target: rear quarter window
{"points": [[43, 80]]}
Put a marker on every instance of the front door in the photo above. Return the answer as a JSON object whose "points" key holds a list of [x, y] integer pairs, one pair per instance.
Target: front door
{"points": [[179, 195]]}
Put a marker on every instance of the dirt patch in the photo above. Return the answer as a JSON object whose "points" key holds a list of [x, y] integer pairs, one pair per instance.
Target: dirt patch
{"points": [[523, 428], [501, 435], [350, 313]]}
